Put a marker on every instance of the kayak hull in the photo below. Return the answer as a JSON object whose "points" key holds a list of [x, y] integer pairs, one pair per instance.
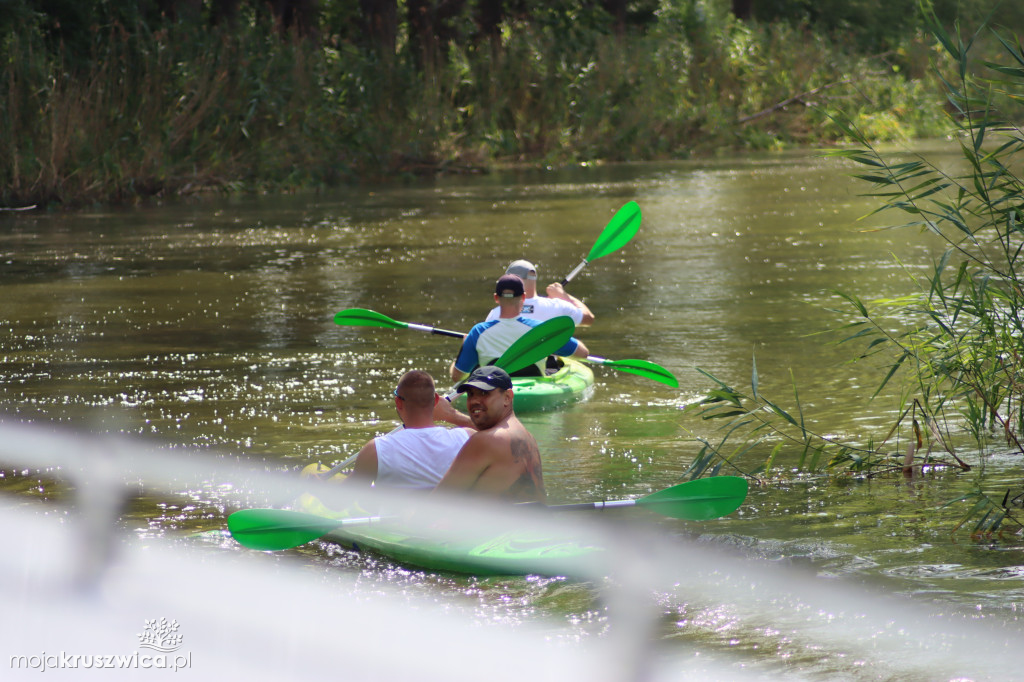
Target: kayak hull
{"points": [[570, 384], [511, 553], [503, 553]]}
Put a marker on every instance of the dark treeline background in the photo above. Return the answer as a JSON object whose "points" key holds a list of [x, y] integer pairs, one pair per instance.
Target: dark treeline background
{"points": [[113, 100]]}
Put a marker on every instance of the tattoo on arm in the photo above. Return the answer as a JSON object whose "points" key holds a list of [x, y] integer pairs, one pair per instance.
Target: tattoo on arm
{"points": [[523, 448]]}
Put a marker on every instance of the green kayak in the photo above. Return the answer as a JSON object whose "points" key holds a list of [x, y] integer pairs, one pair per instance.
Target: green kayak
{"points": [[535, 394], [506, 553], [530, 549]]}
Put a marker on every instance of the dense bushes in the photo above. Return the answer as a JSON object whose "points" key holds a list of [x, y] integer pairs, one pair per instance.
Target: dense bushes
{"points": [[110, 101]]}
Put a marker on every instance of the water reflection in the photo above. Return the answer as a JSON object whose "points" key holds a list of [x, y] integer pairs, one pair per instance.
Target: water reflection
{"points": [[210, 325]]}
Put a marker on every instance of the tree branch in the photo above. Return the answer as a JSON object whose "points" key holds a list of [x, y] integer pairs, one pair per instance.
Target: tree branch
{"points": [[794, 99]]}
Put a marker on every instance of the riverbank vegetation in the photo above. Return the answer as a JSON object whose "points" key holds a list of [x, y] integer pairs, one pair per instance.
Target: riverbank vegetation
{"points": [[955, 341], [113, 101]]}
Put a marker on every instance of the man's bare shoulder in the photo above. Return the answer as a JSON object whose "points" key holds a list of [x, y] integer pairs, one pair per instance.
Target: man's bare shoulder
{"points": [[516, 428], [492, 437], [523, 446], [510, 438]]}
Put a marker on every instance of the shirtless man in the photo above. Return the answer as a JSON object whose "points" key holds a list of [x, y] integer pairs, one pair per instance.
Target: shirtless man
{"points": [[501, 459]]}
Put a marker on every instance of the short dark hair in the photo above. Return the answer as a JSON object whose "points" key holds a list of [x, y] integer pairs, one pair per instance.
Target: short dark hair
{"points": [[416, 388]]}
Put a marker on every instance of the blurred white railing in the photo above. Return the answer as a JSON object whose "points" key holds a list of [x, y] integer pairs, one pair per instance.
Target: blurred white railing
{"points": [[72, 586]]}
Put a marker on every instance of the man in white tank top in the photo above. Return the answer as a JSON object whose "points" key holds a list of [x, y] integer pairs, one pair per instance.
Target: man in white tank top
{"points": [[417, 456]]}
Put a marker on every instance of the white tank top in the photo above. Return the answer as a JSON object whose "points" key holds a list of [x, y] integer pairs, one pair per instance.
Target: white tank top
{"points": [[417, 458]]}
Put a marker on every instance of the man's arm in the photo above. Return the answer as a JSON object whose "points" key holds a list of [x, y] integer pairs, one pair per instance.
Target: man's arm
{"points": [[573, 347], [467, 358], [556, 290], [457, 374], [444, 411], [364, 471]]}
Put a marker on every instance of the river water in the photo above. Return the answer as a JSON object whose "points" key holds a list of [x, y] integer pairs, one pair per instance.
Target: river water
{"points": [[208, 324]]}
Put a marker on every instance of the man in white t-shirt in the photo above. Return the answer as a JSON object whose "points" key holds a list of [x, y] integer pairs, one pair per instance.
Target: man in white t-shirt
{"points": [[417, 456], [541, 308]]}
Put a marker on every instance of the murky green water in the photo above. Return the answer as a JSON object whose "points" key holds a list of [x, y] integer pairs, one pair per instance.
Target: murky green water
{"points": [[210, 325]]}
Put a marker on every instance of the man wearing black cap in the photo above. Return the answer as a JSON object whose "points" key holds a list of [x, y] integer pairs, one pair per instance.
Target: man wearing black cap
{"points": [[543, 308], [501, 459], [486, 341]]}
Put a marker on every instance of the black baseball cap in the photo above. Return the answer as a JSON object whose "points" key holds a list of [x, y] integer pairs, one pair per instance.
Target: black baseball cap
{"points": [[509, 286], [487, 378]]}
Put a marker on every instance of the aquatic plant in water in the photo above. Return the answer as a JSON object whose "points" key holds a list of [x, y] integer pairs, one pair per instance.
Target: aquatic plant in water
{"points": [[955, 343]]}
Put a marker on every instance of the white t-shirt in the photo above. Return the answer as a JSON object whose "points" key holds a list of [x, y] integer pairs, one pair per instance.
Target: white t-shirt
{"points": [[543, 308], [488, 341], [417, 458]]}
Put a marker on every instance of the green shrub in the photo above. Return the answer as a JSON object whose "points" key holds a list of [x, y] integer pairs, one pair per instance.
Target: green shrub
{"points": [[141, 105]]}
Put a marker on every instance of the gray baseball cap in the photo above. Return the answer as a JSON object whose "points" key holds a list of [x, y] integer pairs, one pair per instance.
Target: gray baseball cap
{"points": [[523, 268]]}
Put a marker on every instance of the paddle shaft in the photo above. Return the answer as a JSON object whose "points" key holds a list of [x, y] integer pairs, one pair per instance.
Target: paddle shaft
{"points": [[348, 461], [435, 330], [650, 371], [606, 504], [576, 271], [699, 500], [535, 344], [360, 317], [337, 523]]}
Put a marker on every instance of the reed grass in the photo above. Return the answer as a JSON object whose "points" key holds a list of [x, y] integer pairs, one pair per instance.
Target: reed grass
{"points": [[951, 346]]}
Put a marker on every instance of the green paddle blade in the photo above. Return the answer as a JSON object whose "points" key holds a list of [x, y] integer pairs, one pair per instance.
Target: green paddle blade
{"points": [[537, 344], [360, 317], [273, 529], [646, 369], [700, 500], [617, 233]]}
